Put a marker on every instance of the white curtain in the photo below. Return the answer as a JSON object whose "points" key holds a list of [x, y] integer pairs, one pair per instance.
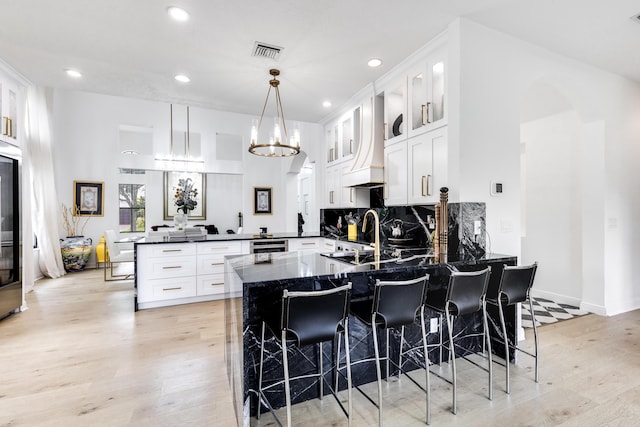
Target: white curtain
{"points": [[44, 200]]}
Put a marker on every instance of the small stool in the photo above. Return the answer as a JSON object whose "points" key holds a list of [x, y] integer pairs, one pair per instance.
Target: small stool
{"points": [[308, 318], [515, 287], [466, 292]]}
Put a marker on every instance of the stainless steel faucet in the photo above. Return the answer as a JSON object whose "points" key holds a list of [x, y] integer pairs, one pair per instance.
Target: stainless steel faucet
{"points": [[376, 244]]}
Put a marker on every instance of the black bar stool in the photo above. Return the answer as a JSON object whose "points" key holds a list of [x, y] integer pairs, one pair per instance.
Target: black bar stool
{"points": [[308, 318], [515, 287], [396, 304], [466, 293]]}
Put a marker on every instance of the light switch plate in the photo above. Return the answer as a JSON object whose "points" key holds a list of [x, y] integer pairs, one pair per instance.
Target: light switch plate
{"points": [[496, 188]]}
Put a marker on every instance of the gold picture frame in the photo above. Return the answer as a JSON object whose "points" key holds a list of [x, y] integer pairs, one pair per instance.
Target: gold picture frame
{"points": [[88, 198]]}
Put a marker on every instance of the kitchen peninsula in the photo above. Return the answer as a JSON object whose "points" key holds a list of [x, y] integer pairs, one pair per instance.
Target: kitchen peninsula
{"points": [[262, 278]]}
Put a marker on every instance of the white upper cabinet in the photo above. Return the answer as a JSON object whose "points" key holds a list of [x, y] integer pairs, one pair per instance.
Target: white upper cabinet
{"points": [[427, 94], [395, 110], [9, 98], [343, 136], [395, 174]]}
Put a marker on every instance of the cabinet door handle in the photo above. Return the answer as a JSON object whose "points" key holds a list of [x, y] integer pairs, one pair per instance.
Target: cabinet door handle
{"points": [[217, 263], [5, 125], [169, 267], [309, 243], [10, 128], [172, 289], [384, 132], [171, 250], [425, 114], [351, 195], [351, 146], [426, 191], [217, 283], [219, 248], [428, 112]]}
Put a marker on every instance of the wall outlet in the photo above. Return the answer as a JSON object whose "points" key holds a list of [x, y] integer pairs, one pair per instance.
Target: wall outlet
{"points": [[433, 327], [477, 227]]}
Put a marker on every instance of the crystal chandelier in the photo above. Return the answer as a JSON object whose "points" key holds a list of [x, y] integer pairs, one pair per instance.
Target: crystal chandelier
{"points": [[276, 146]]}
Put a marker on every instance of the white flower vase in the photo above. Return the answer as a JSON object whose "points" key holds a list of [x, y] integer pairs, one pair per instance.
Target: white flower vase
{"points": [[180, 221]]}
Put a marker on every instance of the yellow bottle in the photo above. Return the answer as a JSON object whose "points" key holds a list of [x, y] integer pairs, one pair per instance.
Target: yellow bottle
{"points": [[101, 249]]}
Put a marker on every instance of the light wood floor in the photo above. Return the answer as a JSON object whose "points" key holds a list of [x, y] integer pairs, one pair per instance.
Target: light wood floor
{"points": [[80, 356]]}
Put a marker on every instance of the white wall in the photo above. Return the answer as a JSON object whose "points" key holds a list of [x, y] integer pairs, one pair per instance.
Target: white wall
{"points": [[86, 133], [495, 71]]}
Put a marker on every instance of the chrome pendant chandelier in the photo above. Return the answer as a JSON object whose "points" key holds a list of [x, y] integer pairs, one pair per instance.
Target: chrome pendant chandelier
{"points": [[277, 146]]}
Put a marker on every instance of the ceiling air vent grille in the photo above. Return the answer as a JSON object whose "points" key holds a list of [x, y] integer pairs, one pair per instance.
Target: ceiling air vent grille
{"points": [[265, 50]]}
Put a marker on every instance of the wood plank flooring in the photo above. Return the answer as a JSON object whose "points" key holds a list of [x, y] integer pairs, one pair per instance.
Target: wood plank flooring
{"points": [[80, 356]]}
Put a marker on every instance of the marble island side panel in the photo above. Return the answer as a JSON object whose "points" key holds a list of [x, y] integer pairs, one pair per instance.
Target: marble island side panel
{"points": [[263, 278]]}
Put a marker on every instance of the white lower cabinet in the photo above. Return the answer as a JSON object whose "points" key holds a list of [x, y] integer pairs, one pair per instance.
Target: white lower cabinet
{"points": [[304, 244], [179, 273]]}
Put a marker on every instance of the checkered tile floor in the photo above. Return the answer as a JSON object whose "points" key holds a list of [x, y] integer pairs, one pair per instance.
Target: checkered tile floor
{"points": [[547, 311]]}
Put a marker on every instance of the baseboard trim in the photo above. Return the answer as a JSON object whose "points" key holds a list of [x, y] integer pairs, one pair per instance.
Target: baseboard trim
{"points": [[563, 299], [593, 308]]}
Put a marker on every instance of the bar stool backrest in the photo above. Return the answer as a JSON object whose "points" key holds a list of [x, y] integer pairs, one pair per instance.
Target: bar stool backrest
{"points": [[466, 291], [396, 303], [314, 316], [516, 283]]}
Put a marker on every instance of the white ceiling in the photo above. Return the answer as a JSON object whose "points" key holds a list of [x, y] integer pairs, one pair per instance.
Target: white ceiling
{"points": [[132, 48]]}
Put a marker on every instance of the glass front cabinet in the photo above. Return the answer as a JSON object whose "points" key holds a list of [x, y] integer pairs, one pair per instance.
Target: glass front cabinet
{"points": [[427, 93]]}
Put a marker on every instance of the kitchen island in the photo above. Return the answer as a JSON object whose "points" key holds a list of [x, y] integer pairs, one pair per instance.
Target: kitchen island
{"points": [[263, 277]]}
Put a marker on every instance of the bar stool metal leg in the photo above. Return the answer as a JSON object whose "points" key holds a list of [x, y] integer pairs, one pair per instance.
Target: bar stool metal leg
{"points": [[287, 390], [400, 354], [377, 353], [452, 357], [426, 365], [348, 360], [535, 335], [506, 345], [485, 333], [321, 373]]}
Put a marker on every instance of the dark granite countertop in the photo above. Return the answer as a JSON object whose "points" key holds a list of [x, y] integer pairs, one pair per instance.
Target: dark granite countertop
{"points": [[289, 265], [225, 237]]}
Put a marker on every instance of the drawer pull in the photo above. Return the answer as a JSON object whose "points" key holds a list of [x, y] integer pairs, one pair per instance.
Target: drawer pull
{"points": [[217, 283], [172, 250], [171, 266], [312, 243], [172, 289], [217, 263], [219, 248]]}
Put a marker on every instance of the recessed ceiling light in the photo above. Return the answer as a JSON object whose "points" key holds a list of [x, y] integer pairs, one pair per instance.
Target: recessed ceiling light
{"points": [[73, 73], [178, 14], [326, 104], [182, 78], [374, 62]]}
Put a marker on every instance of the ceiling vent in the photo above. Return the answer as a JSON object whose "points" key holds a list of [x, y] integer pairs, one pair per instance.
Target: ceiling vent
{"points": [[265, 50]]}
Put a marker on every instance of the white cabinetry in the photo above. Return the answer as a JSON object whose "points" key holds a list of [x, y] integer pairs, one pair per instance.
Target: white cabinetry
{"points": [[427, 166], [165, 272], [395, 110], [395, 174], [179, 273], [339, 196], [427, 93], [304, 244], [9, 109], [211, 265]]}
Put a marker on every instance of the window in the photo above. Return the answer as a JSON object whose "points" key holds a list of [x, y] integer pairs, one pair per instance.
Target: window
{"points": [[132, 199]]}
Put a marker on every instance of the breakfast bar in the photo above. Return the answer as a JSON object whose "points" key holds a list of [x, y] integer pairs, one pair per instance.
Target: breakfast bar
{"points": [[263, 277]]}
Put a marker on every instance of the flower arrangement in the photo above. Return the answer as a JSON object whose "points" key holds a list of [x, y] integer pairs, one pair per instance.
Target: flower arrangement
{"points": [[185, 196]]}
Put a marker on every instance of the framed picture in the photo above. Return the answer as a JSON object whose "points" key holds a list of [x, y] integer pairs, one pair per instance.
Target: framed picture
{"points": [[88, 198], [262, 201], [185, 188]]}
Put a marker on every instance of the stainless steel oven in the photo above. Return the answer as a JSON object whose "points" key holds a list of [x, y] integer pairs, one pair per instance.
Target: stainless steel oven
{"points": [[269, 245]]}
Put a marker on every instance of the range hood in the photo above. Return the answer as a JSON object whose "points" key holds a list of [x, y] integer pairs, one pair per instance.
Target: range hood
{"points": [[367, 169]]}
